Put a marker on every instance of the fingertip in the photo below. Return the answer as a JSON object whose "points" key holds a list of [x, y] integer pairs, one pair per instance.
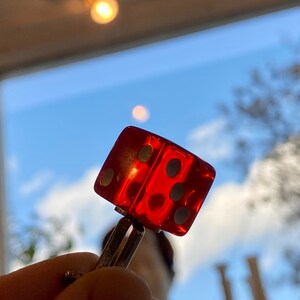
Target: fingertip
{"points": [[44, 280], [117, 283], [111, 283]]}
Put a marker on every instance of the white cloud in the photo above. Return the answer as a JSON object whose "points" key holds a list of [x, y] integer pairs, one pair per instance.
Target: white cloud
{"points": [[36, 183], [225, 220], [206, 142], [80, 206]]}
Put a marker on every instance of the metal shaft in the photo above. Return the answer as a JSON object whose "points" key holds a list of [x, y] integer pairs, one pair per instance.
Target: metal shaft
{"points": [[119, 249], [122, 244]]}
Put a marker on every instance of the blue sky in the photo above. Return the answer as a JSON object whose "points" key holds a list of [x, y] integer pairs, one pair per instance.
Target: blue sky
{"points": [[60, 123]]}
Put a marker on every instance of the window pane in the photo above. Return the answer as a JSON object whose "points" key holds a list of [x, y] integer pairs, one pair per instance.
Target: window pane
{"points": [[60, 123]]}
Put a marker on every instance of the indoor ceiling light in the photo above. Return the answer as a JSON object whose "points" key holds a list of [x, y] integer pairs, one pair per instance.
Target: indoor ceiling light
{"points": [[103, 11]]}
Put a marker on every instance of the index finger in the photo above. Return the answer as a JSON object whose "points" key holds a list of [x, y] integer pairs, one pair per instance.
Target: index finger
{"points": [[44, 280], [110, 283]]}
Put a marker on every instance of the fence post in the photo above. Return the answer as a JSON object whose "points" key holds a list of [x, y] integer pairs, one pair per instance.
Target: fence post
{"points": [[3, 244], [254, 280], [225, 282]]}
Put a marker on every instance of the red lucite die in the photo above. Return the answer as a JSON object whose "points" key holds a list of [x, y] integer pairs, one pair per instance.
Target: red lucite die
{"points": [[154, 180]]}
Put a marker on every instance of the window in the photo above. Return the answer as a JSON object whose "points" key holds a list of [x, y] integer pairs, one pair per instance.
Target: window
{"points": [[59, 125]]}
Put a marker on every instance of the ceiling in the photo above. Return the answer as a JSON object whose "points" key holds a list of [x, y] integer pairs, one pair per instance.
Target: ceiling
{"points": [[39, 33]]}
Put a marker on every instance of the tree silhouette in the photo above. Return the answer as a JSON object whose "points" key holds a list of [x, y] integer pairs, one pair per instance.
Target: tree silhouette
{"points": [[265, 113], [41, 239], [264, 123]]}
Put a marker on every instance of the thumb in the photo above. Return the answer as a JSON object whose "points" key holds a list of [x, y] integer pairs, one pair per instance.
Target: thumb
{"points": [[111, 283]]}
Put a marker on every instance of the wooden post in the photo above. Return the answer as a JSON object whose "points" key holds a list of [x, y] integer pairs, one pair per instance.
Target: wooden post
{"points": [[254, 280], [225, 282], [3, 252]]}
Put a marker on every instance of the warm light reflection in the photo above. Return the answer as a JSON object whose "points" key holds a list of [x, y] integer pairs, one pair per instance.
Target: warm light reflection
{"points": [[104, 11], [132, 173], [140, 113]]}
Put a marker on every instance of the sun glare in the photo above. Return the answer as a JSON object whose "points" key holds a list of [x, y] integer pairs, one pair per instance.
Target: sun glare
{"points": [[140, 113]]}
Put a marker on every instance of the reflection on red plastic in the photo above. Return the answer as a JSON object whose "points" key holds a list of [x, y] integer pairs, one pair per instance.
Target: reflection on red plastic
{"points": [[154, 180]]}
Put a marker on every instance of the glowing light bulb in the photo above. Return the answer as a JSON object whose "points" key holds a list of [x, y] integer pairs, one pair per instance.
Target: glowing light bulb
{"points": [[104, 11]]}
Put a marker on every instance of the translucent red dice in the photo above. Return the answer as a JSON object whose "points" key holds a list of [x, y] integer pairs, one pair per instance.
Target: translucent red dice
{"points": [[154, 180]]}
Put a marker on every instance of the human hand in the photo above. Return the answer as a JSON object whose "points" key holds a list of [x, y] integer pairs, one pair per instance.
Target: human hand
{"points": [[44, 280]]}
